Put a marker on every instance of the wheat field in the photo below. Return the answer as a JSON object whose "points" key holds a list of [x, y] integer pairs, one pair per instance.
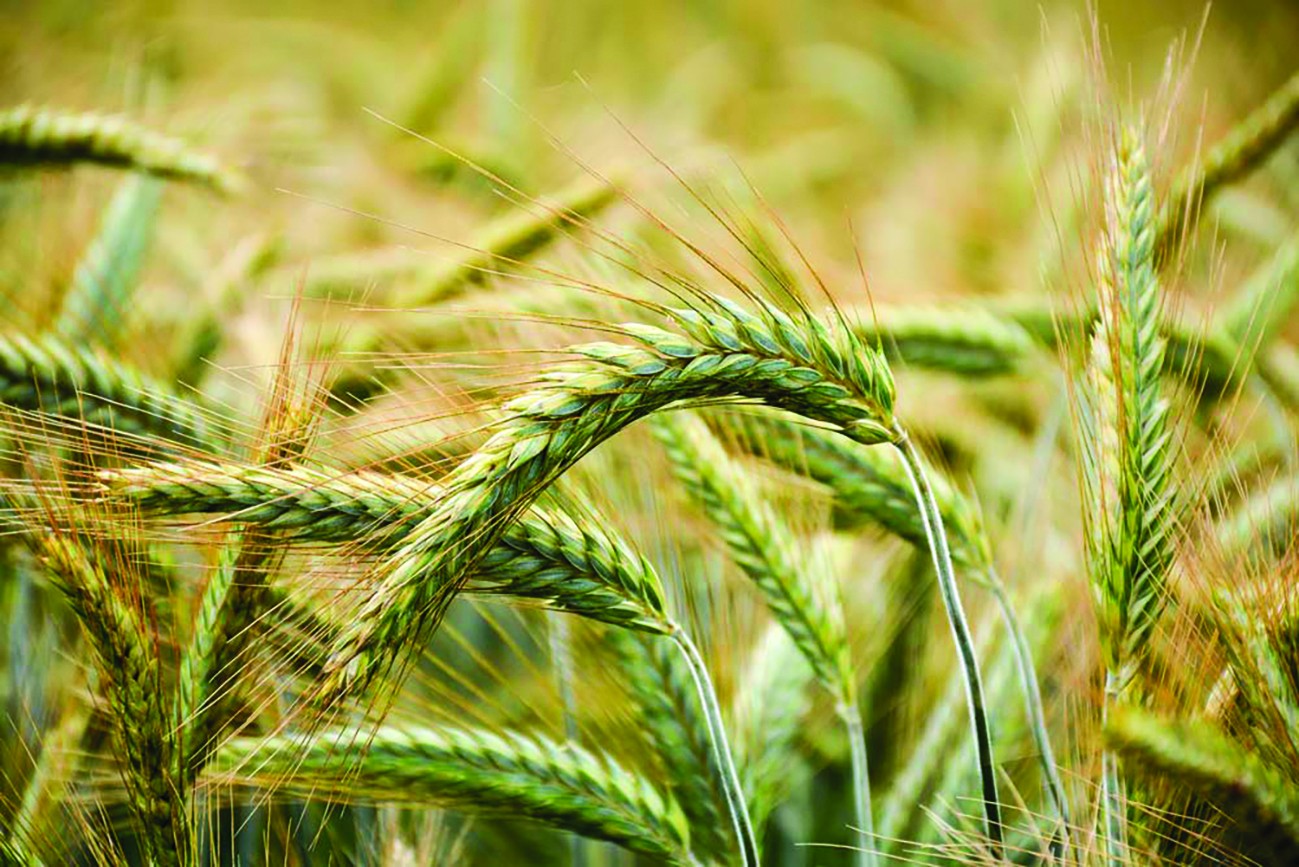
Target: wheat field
{"points": [[709, 433]]}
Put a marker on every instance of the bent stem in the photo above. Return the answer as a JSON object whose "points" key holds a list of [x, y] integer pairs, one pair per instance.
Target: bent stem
{"points": [[721, 747], [942, 558], [861, 781], [1033, 704]]}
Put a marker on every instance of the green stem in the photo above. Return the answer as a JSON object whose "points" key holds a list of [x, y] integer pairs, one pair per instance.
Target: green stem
{"points": [[1033, 704], [1112, 815], [861, 781], [721, 747], [942, 558]]}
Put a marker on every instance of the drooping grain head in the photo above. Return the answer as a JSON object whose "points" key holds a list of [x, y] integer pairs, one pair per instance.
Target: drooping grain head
{"points": [[802, 365]]}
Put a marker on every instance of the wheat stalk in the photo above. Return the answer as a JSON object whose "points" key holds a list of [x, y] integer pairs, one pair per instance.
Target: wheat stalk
{"points": [[561, 785], [1126, 454], [806, 367], [48, 375], [50, 136]]}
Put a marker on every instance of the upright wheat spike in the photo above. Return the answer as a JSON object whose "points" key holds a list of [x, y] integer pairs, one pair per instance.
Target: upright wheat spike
{"points": [[54, 137], [1245, 147], [508, 773], [1126, 456], [767, 552], [47, 375]]}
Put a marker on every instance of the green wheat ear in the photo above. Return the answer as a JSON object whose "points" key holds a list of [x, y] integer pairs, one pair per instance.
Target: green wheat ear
{"points": [[49, 375], [803, 365], [508, 773], [1196, 756], [31, 136], [1126, 455]]}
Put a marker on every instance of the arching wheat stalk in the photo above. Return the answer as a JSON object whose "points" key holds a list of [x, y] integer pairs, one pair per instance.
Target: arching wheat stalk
{"points": [[516, 774], [804, 366]]}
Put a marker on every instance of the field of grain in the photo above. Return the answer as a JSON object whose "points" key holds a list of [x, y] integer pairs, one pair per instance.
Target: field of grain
{"points": [[728, 432]]}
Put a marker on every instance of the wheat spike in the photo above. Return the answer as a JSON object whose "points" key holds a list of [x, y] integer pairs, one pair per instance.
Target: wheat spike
{"points": [[48, 136], [804, 366], [561, 785], [1126, 455], [48, 375]]}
